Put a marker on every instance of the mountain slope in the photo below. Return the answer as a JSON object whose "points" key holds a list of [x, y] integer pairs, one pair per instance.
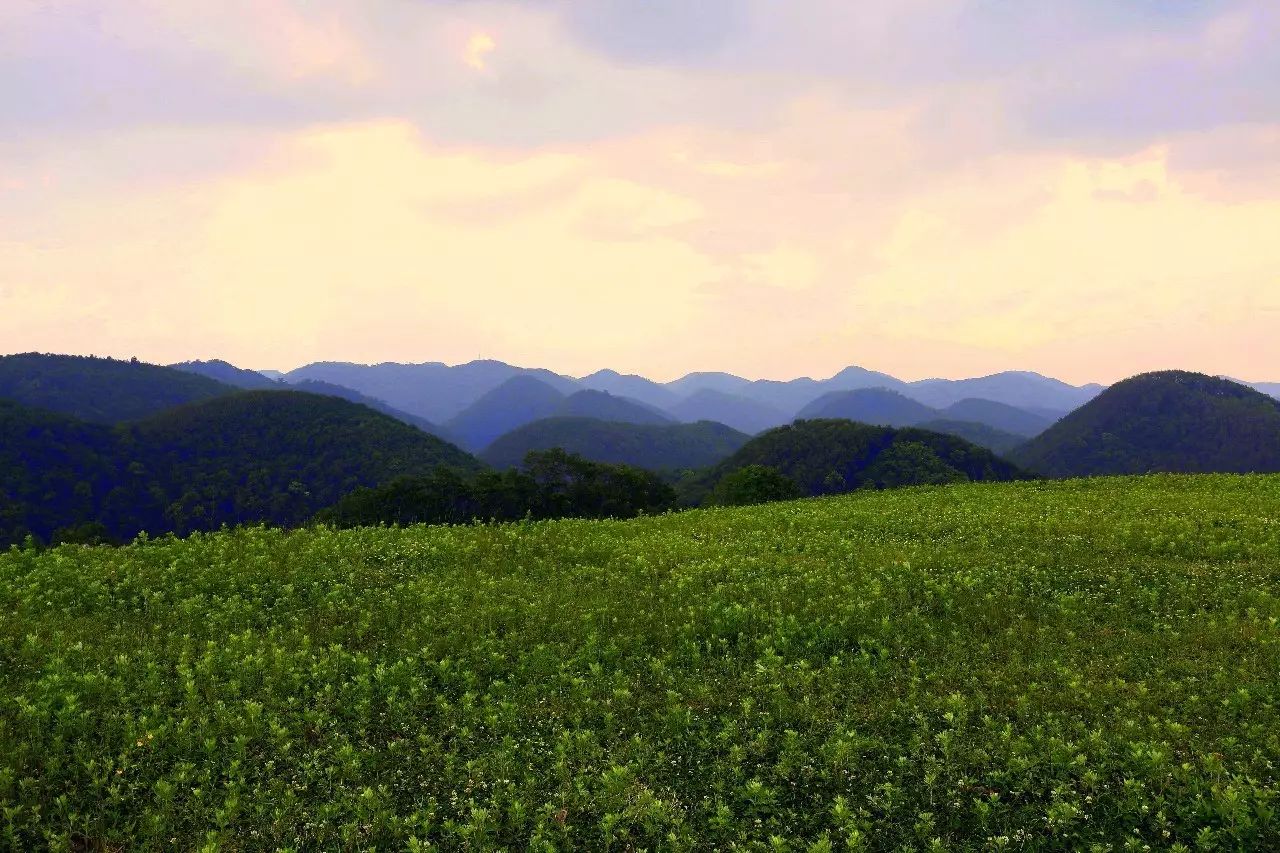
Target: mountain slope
{"points": [[328, 389], [55, 471], [1000, 416], [606, 407], [1171, 421], [629, 385], [997, 441], [741, 413], [515, 402], [834, 456], [656, 447], [100, 390], [1020, 388], [869, 406], [276, 455], [247, 457], [228, 373]]}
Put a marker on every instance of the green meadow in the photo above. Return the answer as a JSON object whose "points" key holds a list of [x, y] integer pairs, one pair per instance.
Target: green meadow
{"points": [[1076, 665]]}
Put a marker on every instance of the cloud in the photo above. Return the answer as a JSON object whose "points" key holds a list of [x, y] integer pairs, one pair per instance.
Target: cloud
{"points": [[774, 188]]}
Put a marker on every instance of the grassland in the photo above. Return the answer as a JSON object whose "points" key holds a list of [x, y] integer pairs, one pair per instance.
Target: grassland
{"points": [[1077, 665]]}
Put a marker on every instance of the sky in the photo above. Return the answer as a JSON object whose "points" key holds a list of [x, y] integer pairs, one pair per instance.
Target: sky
{"points": [[775, 188]]}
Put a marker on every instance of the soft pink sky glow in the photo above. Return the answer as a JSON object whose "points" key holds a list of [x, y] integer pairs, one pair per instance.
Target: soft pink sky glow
{"points": [[928, 188]]}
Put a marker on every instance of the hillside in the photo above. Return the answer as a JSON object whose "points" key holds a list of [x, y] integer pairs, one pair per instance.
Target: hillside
{"points": [[253, 456], [228, 374], [656, 447], [997, 441], [100, 390], [878, 406], [629, 385], [278, 456], [734, 410], [55, 472], [1073, 666], [1168, 421], [328, 389], [999, 416], [836, 456]]}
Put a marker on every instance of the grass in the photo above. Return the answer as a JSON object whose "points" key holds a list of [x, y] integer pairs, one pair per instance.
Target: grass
{"points": [[1082, 665]]}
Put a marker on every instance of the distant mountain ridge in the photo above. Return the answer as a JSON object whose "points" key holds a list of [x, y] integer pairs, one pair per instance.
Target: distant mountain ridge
{"points": [[439, 392]]}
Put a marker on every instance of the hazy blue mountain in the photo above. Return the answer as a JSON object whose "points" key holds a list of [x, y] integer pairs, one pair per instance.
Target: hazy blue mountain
{"points": [[223, 371], [328, 389], [741, 413], [609, 407], [1169, 421], [878, 406], [996, 440], [656, 447], [435, 391], [691, 383], [277, 375], [1023, 389], [1271, 389], [515, 402], [630, 385], [101, 390], [1000, 416]]}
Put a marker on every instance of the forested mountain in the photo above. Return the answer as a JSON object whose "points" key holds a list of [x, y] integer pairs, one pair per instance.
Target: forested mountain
{"points": [[100, 390], [524, 399], [656, 447], [328, 389], [1171, 421], [548, 484], [869, 406], [55, 472], [251, 456], [734, 410], [228, 374], [833, 456], [997, 441]]}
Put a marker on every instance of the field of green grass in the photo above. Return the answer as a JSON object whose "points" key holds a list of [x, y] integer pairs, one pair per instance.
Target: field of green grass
{"points": [[1070, 666]]}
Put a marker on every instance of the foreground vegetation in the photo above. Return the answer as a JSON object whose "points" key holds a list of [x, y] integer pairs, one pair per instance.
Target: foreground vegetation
{"points": [[1075, 665]]}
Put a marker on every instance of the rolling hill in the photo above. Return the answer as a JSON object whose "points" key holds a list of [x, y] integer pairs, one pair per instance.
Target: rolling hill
{"points": [[252, 456], [637, 388], [1171, 421], [657, 447], [101, 390], [835, 456]]}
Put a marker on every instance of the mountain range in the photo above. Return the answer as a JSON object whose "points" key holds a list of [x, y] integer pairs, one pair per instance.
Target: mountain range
{"points": [[440, 393]]}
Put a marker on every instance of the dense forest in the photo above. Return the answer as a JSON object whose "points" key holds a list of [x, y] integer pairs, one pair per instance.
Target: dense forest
{"points": [[254, 456], [658, 447], [549, 484], [100, 390], [1171, 421], [833, 456]]}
